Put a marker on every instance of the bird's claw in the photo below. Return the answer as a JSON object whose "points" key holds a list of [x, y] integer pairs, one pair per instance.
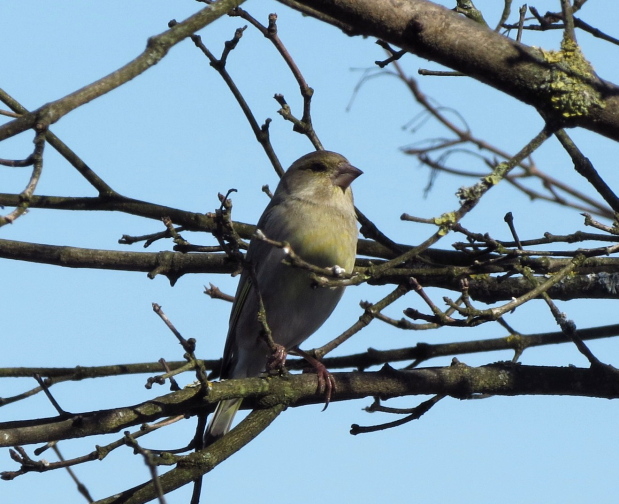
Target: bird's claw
{"points": [[326, 382], [277, 359]]}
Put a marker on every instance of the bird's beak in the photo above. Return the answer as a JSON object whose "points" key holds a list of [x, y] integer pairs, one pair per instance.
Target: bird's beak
{"points": [[345, 174]]}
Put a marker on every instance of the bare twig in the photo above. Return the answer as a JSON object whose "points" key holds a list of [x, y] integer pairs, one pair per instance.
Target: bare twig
{"points": [[522, 12], [304, 125], [261, 132], [414, 414], [583, 166], [157, 47], [189, 346], [26, 194]]}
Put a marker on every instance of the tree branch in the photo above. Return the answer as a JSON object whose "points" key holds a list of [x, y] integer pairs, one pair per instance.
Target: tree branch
{"points": [[438, 34], [199, 463], [458, 381], [156, 48]]}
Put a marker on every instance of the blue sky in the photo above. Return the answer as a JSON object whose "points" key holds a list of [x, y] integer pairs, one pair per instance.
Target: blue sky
{"points": [[175, 136]]}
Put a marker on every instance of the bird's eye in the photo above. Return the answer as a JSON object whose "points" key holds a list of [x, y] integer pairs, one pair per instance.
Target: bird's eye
{"points": [[317, 167]]}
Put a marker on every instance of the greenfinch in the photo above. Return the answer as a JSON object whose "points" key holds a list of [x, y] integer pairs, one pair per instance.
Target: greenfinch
{"points": [[312, 210]]}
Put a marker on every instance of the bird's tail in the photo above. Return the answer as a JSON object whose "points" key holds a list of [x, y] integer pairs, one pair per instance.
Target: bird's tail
{"points": [[221, 421]]}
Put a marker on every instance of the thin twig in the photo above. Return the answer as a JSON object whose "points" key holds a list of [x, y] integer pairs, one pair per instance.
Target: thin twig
{"points": [[189, 346], [304, 125], [583, 165], [156, 49], [37, 168], [415, 414], [50, 397], [522, 12], [261, 132], [370, 311], [81, 488], [509, 218]]}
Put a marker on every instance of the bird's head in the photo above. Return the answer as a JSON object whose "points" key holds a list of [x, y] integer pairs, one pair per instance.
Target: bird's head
{"points": [[321, 174]]}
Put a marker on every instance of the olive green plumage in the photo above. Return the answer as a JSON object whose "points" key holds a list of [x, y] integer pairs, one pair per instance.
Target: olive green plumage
{"points": [[312, 209]]}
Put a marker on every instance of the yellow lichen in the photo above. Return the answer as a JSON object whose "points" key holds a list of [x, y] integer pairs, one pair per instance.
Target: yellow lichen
{"points": [[445, 222], [479, 276], [492, 179], [569, 87]]}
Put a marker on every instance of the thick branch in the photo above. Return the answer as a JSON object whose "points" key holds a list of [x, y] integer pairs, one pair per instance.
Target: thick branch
{"points": [[196, 464], [438, 34], [190, 220], [458, 381], [171, 264], [598, 277]]}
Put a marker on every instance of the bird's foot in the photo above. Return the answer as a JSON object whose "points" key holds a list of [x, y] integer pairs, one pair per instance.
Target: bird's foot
{"points": [[326, 382], [277, 359]]}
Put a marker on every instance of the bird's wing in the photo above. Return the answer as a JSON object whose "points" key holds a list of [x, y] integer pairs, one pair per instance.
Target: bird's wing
{"points": [[261, 257]]}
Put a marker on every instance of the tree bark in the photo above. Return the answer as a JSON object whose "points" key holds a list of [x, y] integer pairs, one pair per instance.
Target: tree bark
{"points": [[438, 34]]}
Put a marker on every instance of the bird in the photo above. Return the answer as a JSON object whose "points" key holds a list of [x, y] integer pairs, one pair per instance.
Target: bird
{"points": [[312, 210]]}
